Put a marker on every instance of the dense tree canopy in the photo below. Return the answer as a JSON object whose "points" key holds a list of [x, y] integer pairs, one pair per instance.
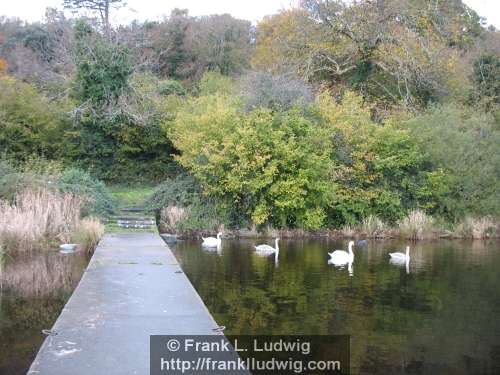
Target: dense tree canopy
{"points": [[321, 115], [389, 51]]}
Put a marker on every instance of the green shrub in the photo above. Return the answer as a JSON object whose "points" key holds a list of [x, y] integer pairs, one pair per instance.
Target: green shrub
{"points": [[102, 68], [34, 173], [463, 144], [214, 82], [273, 167], [97, 198], [203, 215], [183, 206], [182, 190], [171, 87], [9, 180], [378, 169], [30, 123]]}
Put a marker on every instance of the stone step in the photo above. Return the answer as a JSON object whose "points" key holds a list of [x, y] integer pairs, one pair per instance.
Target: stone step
{"points": [[139, 226], [132, 218], [147, 223], [151, 222]]}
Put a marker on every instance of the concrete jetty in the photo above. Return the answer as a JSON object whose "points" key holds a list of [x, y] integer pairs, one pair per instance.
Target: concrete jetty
{"points": [[132, 288]]}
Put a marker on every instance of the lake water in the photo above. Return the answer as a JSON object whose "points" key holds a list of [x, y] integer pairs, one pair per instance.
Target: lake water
{"points": [[33, 291], [439, 316]]}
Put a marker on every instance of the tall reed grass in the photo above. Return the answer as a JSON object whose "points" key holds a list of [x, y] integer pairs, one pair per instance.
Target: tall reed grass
{"points": [[476, 228], [41, 218], [374, 227], [417, 225], [36, 218], [89, 233], [171, 216]]}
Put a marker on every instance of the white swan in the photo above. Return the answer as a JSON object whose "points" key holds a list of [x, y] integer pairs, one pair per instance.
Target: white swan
{"points": [[401, 256], [266, 249], [211, 241], [340, 257]]}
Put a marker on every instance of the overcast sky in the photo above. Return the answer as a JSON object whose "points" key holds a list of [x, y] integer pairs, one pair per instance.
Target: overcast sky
{"points": [[252, 10]]}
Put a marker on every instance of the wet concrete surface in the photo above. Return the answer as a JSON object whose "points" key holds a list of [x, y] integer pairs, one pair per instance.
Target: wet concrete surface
{"points": [[132, 288]]}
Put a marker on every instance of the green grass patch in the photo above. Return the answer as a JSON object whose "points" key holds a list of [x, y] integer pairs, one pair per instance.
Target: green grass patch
{"points": [[130, 196], [114, 228]]}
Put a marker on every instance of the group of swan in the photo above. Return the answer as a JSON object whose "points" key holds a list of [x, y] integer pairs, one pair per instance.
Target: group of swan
{"points": [[264, 250], [337, 257], [343, 258]]}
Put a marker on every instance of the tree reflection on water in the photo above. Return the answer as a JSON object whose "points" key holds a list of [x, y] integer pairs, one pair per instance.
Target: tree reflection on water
{"points": [[33, 291], [442, 315]]}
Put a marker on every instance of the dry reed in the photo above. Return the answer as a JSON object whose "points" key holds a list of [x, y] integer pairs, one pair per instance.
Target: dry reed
{"points": [[475, 228], [171, 216], [417, 225], [373, 227], [89, 233], [38, 218]]}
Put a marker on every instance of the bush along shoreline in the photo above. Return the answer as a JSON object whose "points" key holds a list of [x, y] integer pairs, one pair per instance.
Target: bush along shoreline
{"points": [[416, 226]]}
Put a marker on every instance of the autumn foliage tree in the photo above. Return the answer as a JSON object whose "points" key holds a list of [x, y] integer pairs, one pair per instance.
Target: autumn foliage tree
{"points": [[389, 51]]}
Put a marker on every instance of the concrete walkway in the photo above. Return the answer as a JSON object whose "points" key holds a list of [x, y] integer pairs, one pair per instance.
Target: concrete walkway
{"points": [[132, 288]]}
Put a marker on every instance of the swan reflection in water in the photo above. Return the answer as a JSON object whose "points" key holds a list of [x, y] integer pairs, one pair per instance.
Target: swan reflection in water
{"points": [[400, 263], [213, 249], [275, 255], [342, 266]]}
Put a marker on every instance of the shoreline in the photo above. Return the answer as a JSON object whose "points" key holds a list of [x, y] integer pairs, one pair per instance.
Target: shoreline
{"points": [[330, 233]]}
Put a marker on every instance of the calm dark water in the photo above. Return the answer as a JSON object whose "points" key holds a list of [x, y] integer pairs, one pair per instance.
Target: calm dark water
{"points": [[33, 291], [441, 316]]}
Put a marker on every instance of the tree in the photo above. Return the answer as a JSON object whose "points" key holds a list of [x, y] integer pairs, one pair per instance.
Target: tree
{"points": [[487, 79], [40, 53], [221, 43], [117, 121], [102, 7], [103, 67], [184, 47], [276, 92], [378, 168], [389, 51], [175, 55], [464, 143]]}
